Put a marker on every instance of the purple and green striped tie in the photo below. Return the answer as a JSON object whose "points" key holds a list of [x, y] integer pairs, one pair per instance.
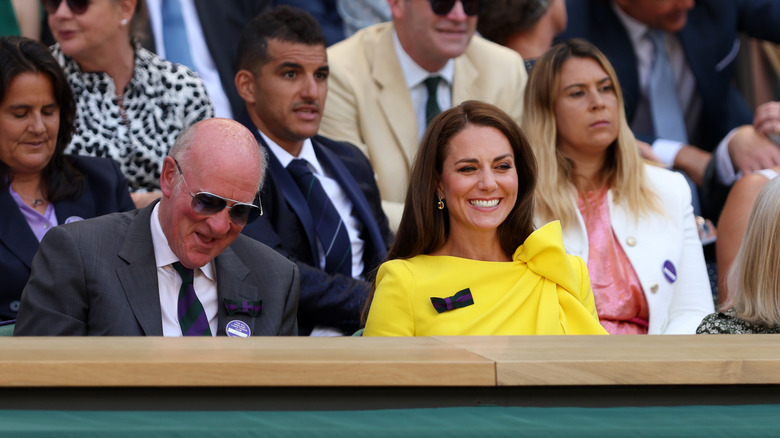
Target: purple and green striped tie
{"points": [[192, 317]]}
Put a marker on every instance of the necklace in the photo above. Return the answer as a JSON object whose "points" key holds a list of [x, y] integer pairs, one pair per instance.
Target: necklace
{"points": [[36, 202]]}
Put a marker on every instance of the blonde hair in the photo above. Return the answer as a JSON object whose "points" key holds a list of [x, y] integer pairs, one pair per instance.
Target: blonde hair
{"points": [[623, 170], [754, 277]]}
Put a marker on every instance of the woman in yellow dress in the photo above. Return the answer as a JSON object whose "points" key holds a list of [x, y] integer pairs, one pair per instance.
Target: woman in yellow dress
{"points": [[466, 259]]}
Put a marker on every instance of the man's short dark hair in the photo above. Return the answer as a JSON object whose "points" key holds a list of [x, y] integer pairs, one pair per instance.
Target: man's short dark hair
{"points": [[283, 23]]}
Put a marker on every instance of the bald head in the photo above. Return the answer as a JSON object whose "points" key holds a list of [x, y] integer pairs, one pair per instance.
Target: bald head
{"points": [[220, 143], [216, 157]]}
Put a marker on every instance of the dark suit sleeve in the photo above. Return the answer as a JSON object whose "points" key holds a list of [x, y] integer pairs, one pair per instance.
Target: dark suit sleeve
{"points": [[54, 302], [332, 300]]}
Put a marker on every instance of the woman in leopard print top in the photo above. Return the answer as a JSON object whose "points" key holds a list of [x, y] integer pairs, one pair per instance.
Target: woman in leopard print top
{"points": [[131, 105]]}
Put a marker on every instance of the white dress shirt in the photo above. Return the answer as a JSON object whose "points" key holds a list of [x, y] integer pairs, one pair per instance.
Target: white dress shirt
{"points": [[169, 282], [415, 81]]}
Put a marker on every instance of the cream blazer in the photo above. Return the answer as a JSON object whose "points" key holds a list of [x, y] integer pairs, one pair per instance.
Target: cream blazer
{"points": [[653, 242], [369, 105]]}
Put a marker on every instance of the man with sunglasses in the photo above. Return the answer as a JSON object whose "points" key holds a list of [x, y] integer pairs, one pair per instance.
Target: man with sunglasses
{"points": [[312, 181], [387, 80], [177, 267]]}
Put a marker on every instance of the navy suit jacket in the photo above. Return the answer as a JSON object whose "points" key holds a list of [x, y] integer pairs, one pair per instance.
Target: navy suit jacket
{"points": [[222, 22], [105, 192], [709, 40], [286, 225]]}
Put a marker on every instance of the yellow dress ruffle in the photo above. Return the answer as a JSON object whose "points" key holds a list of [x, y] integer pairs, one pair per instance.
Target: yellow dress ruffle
{"points": [[542, 290]]}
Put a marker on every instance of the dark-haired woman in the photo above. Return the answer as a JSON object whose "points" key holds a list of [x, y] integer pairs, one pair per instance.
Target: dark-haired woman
{"points": [[466, 259], [40, 187]]}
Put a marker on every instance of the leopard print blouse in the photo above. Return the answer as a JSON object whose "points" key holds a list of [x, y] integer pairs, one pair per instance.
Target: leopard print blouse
{"points": [[138, 128]]}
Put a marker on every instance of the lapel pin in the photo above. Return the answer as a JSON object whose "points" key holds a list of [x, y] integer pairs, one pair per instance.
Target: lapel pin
{"points": [[238, 328], [670, 272]]}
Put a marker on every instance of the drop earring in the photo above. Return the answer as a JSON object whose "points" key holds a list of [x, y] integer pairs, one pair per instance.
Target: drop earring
{"points": [[440, 204]]}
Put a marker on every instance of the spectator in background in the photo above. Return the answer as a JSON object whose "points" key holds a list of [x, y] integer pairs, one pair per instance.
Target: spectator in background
{"points": [[733, 222], [130, 104], [691, 45], [283, 78], [388, 80], [203, 36], [753, 302], [632, 222], [525, 26], [40, 186]]}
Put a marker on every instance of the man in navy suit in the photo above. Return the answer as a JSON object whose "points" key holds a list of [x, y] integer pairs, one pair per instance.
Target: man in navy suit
{"points": [[701, 42], [283, 78]]}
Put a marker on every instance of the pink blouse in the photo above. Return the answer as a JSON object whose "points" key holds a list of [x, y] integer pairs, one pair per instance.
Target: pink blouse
{"points": [[620, 302]]}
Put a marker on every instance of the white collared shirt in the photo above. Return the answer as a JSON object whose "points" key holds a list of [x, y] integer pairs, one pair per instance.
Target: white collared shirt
{"points": [[415, 81], [685, 82], [201, 57], [169, 282], [337, 196]]}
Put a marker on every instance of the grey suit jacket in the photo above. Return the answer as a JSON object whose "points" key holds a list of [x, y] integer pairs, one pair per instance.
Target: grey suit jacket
{"points": [[98, 277]]}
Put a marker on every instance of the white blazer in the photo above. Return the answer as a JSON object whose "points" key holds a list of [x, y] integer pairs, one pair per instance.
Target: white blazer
{"points": [[664, 250]]}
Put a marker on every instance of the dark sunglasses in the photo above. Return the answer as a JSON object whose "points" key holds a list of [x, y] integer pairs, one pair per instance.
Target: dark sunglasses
{"points": [[206, 203], [443, 7], [78, 7]]}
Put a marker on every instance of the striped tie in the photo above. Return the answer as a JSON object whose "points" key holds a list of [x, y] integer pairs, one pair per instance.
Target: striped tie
{"points": [[327, 222], [192, 317]]}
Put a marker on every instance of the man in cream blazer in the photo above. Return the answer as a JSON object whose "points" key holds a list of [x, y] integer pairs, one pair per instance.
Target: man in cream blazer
{"points": [[377, 99]]}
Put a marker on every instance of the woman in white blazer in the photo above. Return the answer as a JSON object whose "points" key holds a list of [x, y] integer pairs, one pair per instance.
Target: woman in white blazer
{"points": [[632, 222]]}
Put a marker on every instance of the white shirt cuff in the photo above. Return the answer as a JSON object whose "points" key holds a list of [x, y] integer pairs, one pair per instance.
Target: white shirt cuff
{"points": [[724, 167], [667, 150]]}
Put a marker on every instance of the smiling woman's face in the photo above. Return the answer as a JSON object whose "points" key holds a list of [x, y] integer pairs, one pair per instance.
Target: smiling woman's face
{"points": [[478, 180], [29, 123], [586, 110]]}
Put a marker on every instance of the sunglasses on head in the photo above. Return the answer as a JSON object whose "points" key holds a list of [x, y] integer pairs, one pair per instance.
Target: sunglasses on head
{"points": [[78, 7], [443, 7], [207, 204]]}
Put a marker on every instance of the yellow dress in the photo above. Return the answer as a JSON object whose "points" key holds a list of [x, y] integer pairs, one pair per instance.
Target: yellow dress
{"points": [[541, 291]]}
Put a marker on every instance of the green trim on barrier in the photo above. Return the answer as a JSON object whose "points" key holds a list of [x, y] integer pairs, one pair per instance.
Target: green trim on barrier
{"points": [[682, 421]]}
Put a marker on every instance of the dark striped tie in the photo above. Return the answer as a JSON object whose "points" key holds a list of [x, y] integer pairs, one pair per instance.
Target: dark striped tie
{"points": [[327, 222], [192, 317]]}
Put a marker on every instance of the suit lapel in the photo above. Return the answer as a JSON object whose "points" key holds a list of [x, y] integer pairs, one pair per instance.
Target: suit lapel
{"points": [[14, 231], [81, 208], [352, 189], [394, 98], [466, 81], [139, 276], [283, 179], [232, 285]]}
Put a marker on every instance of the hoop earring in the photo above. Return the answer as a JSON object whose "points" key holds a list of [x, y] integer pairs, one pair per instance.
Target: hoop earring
{"points": [[440, 204]]}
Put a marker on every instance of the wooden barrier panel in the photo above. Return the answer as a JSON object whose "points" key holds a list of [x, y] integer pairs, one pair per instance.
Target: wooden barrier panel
{"points": [[629, 360], [258, 362], [353, 373]]}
